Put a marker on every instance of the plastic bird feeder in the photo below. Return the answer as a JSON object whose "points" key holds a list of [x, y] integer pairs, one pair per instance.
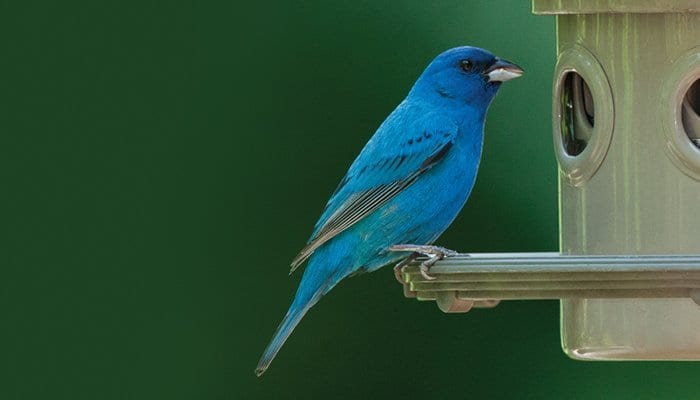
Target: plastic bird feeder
{"points": [[626, 126]]}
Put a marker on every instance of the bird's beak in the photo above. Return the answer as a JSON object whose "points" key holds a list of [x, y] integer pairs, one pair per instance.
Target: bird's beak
{"points": [[502, 70]]}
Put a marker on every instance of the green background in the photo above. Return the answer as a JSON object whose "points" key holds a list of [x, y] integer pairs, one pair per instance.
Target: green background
{"points": [[161, 164]]}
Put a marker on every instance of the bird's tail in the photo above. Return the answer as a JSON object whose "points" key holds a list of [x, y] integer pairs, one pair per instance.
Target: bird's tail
{"points": [[303, 301]]}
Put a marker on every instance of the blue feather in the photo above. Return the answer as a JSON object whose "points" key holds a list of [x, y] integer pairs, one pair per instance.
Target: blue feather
{"points": [[407, 184]]}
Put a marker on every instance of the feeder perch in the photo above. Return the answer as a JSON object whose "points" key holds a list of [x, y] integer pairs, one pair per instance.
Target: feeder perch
{"points": [[626, 128]]}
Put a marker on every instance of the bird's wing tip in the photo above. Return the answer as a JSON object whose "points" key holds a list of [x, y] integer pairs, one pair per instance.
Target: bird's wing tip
{"points": [[294, 265], [299, 259]]}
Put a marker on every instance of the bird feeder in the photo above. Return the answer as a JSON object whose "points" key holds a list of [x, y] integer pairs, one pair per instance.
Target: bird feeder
{"points": [[626, 128]]}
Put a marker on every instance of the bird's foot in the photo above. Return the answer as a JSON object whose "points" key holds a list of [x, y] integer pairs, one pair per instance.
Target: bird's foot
{"points": [[434, 254], [398, 268]]}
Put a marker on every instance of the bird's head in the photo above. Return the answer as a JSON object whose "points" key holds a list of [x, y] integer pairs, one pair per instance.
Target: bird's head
{"points": [[465, 75]]}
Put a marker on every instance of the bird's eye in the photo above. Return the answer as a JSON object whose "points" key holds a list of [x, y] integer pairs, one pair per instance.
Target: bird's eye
{"points": [[466, 65]]}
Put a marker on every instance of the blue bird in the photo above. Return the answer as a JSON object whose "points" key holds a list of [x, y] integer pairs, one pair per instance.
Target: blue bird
{"points": [[406, 186]]}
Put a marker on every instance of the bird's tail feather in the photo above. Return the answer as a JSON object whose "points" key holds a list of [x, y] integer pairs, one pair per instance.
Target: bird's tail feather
{"points": [[296, 312]]}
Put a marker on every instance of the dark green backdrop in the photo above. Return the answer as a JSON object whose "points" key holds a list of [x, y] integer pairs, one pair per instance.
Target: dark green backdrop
{"points": [[161, 164]]}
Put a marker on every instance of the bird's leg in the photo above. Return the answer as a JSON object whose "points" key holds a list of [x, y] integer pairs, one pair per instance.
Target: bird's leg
{"points": [[434, 254], [398, 268]]}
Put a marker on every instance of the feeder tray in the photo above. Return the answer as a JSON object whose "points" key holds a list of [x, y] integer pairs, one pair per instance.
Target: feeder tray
{"points": [[466, 281]]}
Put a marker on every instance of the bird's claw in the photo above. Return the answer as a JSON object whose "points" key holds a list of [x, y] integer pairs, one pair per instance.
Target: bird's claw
{"points": [[424, 271], [398, 268], [434, 253]]}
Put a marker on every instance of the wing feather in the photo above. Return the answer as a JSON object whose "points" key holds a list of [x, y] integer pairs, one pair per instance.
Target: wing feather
{"points": [[360, 204]]}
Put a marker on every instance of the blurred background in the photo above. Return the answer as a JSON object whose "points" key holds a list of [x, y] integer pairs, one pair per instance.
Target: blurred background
{"points": [[162, 163]]}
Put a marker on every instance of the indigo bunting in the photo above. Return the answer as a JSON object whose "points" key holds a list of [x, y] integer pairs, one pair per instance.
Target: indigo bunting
{"points": [[406, 186]]}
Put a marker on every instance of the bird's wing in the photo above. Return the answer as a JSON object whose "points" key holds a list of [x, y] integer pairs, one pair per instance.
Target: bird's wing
{"points": [[389, 163]]}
